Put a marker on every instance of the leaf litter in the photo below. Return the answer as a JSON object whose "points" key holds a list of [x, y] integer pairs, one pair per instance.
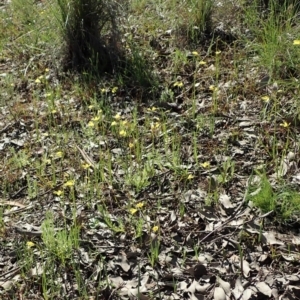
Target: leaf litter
{"points": [[212, 241]]}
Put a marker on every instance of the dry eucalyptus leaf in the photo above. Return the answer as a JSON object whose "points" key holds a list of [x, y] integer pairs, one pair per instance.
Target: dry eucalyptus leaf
{"points": [[264, 288], [270, 239], [7, 285], [246, 268], [37, 270], [247, 294], [225, 201], [219, 294], [238, 289], [225, 286], [195, 286]]}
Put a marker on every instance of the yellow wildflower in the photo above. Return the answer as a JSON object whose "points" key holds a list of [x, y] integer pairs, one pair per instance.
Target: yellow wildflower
{"points": [[47, 161], [113, 123], [91, 106], [212, 88], [190, 176], [155, 126], [114, 89], [152, 108], [218, 52], [53, 111], [139, 205], [195, 53], [155, 228], [131, 145], [58, 193], [296, 42], [96, 119], [122, 133], [47, 70], [91, 124], [69, 183], [86, 166], [30, 244], [117, 116], [285, 124], [178, 83], [265, 98], [133, 210], [37, 80], [202, 63], [59, 154], [205, 164]]}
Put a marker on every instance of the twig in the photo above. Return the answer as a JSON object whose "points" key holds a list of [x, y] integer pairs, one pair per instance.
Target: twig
{"points": [[12, 212], [30, 232], [18, 192], [230, 218], [8, 126], [86, 157], [12, 272]]}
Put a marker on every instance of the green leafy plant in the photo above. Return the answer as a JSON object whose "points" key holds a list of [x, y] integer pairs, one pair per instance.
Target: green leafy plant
{"points": [[261, 193], [226, 171], [59, 243], [140, 177], [285, 202], [154, 252], [114, 225], [288, 202]]}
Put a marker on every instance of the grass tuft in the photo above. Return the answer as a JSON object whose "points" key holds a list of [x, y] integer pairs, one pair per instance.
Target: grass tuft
{"points": [[91, 34], [199, 16]]}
